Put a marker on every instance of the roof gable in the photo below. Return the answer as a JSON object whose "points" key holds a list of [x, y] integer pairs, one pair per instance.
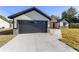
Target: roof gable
{"points": [[62, 20], [3, 18], [26, 11], [75, 20]]}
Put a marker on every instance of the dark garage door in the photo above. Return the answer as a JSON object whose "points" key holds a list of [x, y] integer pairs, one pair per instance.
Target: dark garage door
{"points": [[32, 26]]}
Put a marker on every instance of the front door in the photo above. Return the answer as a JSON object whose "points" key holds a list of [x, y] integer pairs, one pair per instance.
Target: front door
{"points": [[54, 24]]}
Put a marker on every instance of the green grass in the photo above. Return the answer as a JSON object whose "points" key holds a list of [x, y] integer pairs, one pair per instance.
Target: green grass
{"points": [[5, 36], [71, 37]]}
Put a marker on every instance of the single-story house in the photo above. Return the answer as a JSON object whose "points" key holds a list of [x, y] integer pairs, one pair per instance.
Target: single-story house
{"points": [[4, 23], [30, 21], [63, 23]]}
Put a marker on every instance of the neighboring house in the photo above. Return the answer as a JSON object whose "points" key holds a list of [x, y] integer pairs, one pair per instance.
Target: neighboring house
{"points": [[64, 23], [4, 23], [30, 21]]}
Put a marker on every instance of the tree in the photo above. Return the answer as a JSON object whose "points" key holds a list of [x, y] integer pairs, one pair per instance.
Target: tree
{"points": [[71, 11], [69, 14], [64, 15]]}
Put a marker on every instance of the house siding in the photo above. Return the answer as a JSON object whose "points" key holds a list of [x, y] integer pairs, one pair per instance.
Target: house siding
{"points": [[33, 15], [4, 24], [62, 24]]}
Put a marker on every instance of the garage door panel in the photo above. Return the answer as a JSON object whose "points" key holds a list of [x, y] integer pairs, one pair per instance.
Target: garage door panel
{"points": [[32, 26]]}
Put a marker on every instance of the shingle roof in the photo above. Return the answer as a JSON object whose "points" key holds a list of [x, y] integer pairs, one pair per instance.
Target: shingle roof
{"points": [[62, 19], [73, 21], [28, 10]]}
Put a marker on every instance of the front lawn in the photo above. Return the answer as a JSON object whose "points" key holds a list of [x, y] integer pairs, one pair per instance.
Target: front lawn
{"points": [[71, 37], [4, 39], [5, 36]]}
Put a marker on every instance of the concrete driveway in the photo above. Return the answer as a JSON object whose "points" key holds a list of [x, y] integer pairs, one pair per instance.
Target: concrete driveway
{"points": [[36, 42]]}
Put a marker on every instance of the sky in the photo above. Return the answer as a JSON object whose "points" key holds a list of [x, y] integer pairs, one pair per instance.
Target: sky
{"points": [[49, 10]]}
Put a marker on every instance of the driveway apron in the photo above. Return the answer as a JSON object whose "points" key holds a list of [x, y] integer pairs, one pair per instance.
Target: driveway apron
{"points": [[37, 42]]}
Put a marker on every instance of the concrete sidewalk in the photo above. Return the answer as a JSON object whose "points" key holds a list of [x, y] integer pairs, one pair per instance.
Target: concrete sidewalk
{"points": [[37, 42]]}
